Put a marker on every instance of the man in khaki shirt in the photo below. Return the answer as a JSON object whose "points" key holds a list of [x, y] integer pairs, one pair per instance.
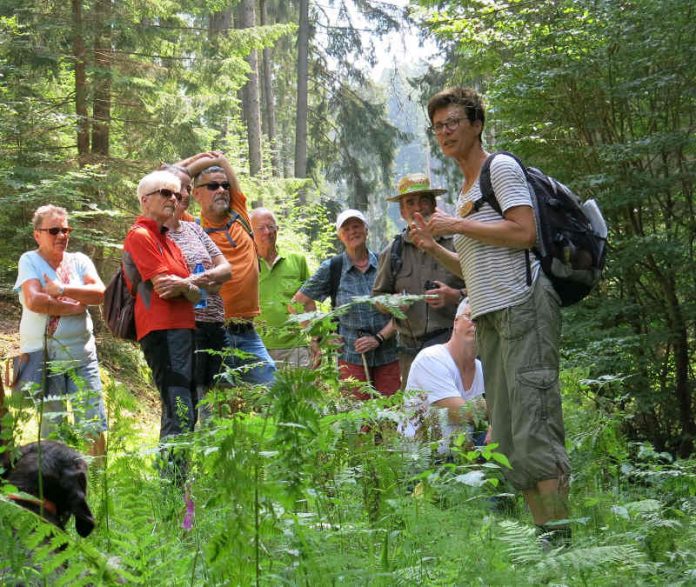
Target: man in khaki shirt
{"points": [[403, 268]]}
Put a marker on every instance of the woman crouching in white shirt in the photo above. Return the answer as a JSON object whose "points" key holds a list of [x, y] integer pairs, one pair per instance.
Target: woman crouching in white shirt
{"points": [[449, 377]]}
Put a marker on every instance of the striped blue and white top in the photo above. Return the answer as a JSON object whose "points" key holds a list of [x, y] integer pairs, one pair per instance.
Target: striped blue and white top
{"points": [[495, 276]]}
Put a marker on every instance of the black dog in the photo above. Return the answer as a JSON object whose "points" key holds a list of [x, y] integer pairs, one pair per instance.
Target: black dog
{"points": [[64, 478]]}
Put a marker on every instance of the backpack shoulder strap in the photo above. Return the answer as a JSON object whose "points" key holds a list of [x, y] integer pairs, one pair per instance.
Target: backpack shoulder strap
{"points": [[486, 185], [488, 195], [395, 260], [239, 218], [335, 268]]}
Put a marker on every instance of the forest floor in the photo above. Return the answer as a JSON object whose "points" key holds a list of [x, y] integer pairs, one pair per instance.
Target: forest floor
{"points": [[10, 312]]}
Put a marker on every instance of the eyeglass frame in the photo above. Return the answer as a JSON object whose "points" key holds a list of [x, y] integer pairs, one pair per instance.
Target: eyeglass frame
{"points": [[219, 184], [159, 191], [55, 230], [451, 124]]}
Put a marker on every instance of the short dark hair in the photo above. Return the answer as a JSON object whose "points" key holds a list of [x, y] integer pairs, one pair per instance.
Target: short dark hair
{"points": [[468, 98], [207, 171]]}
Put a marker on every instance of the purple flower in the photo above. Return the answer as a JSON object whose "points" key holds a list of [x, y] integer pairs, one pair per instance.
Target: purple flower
{"points": [[190, 514]]}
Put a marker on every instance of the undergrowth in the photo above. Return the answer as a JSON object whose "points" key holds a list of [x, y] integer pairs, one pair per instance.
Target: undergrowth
{"points": [[299, 485]]}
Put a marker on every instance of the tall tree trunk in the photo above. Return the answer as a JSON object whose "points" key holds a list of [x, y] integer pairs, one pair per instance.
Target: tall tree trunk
{"points": [[302, 84], [269, 98], [219, 22], [251, 102], [102, 79], [680, 343], [80, 83]]}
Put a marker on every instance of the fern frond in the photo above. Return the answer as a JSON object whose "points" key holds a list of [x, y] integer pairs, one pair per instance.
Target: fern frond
{"points": [[591, 559], [520, 542]]}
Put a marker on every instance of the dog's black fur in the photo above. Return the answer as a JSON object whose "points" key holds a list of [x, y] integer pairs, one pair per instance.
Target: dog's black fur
{"points": [[64, 478], [64, 482]]}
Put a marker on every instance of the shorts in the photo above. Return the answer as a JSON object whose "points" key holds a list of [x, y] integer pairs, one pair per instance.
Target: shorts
{"points": [[79, 383], [384, 378], [519, 349]]}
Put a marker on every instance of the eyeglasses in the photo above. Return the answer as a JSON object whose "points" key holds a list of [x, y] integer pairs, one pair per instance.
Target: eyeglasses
{"points": [[54, 230], [214, 186], [166, 194], [267, 228], [450, 124]]}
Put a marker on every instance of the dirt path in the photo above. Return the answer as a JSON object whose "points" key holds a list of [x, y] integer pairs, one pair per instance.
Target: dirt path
{"points": [[10, 312]]}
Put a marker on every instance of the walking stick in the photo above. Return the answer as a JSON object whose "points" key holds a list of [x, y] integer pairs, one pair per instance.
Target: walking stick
{"points": [[362, 333]]}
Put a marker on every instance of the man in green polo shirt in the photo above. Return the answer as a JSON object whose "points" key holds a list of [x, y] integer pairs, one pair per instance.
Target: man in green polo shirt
{"points": [[281, 275]]}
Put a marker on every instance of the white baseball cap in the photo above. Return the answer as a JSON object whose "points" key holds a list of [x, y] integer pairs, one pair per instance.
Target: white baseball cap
{"points": [[350, 213]]}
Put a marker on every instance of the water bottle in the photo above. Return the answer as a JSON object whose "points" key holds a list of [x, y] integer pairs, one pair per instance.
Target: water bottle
{"points": [[203, 301]]}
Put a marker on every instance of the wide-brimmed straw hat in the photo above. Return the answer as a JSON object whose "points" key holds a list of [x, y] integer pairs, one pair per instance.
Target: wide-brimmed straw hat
{"points": [[415, 184]]}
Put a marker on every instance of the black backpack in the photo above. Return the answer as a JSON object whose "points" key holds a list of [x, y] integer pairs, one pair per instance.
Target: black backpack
{"points": [[572, 240], [335, 268]]}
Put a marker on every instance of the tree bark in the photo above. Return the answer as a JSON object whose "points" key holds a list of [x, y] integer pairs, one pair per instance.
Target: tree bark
{"points": [[101, 108], [251, 99], [269, 98], [302, 85], [680, 343], [80, 84]]}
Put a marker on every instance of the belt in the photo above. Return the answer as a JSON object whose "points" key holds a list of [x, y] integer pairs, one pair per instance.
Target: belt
{"points": [[420, 343], [240, 326]]}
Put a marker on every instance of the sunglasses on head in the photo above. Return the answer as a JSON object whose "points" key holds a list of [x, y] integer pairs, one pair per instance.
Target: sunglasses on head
{"points": [[213, 186], [166, 194], [54, 230]]}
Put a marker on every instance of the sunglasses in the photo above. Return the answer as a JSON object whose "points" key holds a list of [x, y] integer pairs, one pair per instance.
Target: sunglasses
{"points": [[213, 186], [54, 230], [166, 194]]}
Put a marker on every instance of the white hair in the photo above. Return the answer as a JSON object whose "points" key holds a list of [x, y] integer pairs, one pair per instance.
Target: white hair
{"points": [[48, 210], [259, 211], [462, 307], [158, 180]]}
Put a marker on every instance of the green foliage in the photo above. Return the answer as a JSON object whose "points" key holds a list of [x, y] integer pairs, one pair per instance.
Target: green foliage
{"points": [[598, 95], [304, 485]]}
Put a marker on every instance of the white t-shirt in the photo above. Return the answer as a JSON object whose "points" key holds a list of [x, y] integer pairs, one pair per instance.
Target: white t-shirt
{"points": [[435, 373], [495, 276], [72, 338]]}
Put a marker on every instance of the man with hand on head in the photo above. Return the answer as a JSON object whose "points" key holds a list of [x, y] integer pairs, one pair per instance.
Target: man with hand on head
{"points": [[403, 268], [225, 219]]}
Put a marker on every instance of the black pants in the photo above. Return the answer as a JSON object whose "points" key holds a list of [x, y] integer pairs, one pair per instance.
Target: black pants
{"points": [[169, 354], [209, 335]]}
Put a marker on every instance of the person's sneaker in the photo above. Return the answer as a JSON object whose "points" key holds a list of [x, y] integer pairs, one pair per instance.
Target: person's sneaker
{"points": [[552, 536]]}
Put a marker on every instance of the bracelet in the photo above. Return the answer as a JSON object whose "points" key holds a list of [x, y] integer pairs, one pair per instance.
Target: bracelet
{"points": [[379, 338], [61, 291]]}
